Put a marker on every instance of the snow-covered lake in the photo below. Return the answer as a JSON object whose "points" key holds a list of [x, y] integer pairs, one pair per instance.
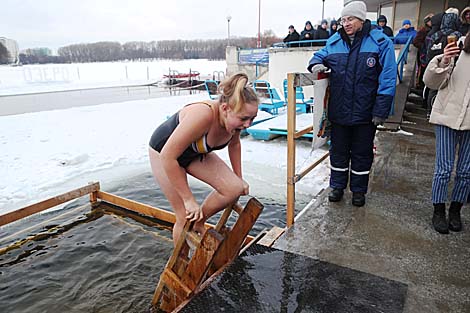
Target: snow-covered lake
{"points": [[46, 153]]}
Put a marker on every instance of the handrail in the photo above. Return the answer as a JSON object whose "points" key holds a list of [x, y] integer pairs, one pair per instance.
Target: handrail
{"points": [[402, 58], [295, 80]]}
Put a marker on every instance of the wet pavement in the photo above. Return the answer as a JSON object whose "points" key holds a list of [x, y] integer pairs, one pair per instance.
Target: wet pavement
{"points": [[269, 280], [391, 236]]}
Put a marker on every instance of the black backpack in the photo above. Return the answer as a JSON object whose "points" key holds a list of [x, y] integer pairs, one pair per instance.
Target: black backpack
{"points": [[435, 45]]}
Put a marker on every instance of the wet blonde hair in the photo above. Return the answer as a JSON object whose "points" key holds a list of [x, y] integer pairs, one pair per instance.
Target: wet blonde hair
{"points": [[235, 91]]}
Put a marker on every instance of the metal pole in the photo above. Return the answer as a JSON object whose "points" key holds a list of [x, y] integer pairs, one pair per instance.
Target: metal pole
{"points": [[228, 29], [259, 24], [323, 11]]}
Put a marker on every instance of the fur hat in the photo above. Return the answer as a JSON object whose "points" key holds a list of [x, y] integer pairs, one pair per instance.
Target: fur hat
{"points": [[355, 8], [452, 10]]}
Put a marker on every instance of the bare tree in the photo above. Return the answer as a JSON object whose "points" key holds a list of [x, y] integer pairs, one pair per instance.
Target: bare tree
{"points": [[4, 54]]}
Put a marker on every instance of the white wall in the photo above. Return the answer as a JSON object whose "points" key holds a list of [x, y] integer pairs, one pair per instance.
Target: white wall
{"points": [[291, 60]]}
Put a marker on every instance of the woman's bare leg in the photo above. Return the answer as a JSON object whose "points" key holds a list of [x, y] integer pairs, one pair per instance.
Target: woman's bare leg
{"points": [[170, 193], [228, 186]]}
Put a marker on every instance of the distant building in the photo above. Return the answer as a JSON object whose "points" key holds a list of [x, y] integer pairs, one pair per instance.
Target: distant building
{"points": [[12, 47], [414, 10]]}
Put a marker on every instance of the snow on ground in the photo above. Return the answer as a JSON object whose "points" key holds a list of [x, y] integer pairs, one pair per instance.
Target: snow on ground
{"points": [[43, 154], [59, 77], [46, 153]]}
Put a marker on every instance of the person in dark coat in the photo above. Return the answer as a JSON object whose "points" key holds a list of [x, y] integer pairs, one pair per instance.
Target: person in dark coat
{"points": [[362, 86], [465, 20], [292, 36], [307, 34], [382, 23], [404, 33], [333, 27], [322, 33], [420, 43]]}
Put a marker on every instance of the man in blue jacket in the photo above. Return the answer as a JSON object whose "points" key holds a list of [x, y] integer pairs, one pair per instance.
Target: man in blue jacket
{"points": [[362, 87], [405, 32]]}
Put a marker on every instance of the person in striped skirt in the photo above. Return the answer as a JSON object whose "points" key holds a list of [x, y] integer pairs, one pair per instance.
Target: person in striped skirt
{"points": [[449, 74]]}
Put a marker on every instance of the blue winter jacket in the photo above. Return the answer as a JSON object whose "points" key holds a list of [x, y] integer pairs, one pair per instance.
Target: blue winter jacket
{"points": [[363, 75], [403, 34]]}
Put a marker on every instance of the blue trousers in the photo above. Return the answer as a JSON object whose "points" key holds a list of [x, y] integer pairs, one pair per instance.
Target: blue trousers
{"points": [[447, 140], [351, 156]]}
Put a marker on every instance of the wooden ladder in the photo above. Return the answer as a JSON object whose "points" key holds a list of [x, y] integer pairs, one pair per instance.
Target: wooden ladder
{"points": [[196, 258]]}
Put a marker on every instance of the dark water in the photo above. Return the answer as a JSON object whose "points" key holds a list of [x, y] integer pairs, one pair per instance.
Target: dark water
{"points": [[106, 263], [143, 188], [100, 262], [18, 104]]}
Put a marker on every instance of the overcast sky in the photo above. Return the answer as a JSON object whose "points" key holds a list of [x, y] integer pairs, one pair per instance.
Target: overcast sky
{"points": [[56, 23]]}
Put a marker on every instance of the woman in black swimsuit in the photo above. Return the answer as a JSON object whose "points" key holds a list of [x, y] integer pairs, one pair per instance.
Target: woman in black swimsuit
{"points": [[182, 145]]}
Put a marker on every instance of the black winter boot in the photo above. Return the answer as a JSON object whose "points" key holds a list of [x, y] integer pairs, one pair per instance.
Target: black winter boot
{"points": [[335, 195], [358, 199], [439, 218], [455, 223]]}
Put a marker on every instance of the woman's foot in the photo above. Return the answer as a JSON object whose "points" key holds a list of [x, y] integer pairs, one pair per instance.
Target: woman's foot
{"points": [[439, 221], [455, 222]]}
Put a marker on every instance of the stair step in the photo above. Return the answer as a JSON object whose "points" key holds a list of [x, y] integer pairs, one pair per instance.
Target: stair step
{"points": [[419, 119], [415, 109], [427, 131]]}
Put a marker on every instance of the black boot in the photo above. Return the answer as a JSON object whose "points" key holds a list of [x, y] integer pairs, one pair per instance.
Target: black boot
{"points": [[335, 195], [358, 199], [455, 223], [439, 218]]}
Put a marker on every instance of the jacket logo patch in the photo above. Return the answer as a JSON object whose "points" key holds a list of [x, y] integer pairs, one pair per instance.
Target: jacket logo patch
{"points": [[370, 62]]}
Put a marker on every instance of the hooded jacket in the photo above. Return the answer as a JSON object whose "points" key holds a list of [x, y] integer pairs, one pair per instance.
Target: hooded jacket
{"points": [[307, 34], [452, 105], [333, 31], [387, 30], [363, 75], [464, 26], [403, 34], [436, 21]]}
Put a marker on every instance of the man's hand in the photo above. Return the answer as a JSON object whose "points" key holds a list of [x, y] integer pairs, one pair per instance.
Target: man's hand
{"points": [[318, 68], [378, 120]]}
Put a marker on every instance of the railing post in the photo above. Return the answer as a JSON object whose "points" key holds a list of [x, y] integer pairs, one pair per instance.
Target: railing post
{"points": [[290, 213]]}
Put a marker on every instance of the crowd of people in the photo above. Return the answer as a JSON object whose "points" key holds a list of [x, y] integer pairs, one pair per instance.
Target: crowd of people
{"points": [[183, 144], [356, 108]]}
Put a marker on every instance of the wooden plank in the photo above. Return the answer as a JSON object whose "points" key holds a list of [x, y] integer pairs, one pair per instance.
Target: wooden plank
{"points": [[175, 284], [290, 150], [302, 132], [224, 218], [271, 236], [138, 207], [202, 259], [47, 204], [231, 245], [180, 244], [311, 167], [237, 208]]}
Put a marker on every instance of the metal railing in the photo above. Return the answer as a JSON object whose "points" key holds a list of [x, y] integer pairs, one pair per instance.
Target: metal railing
{"points": [[403, 58]]}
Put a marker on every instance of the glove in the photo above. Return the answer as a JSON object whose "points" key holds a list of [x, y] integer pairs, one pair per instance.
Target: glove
{"points": [[318, 68], [378, 120]]}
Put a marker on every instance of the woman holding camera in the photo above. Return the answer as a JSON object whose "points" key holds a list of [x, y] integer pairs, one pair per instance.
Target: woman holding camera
{"points": [[451, 116]]}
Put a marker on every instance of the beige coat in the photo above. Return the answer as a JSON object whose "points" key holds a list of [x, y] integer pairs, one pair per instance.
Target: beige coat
{"points": [[452, 105]]}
